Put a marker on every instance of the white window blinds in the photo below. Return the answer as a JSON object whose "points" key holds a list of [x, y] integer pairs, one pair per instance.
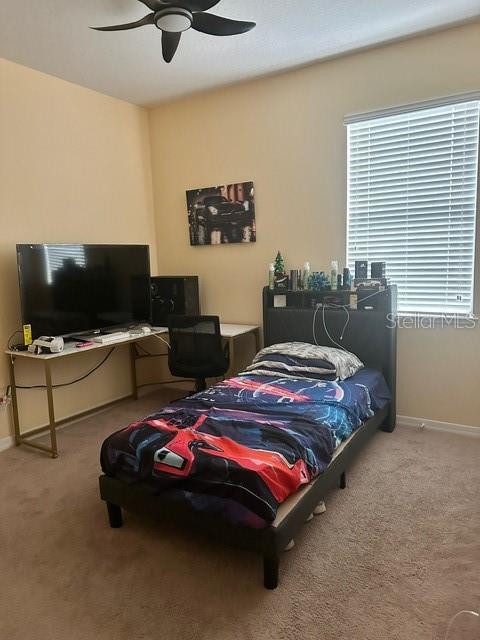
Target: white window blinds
{"points": [[412, 198]]}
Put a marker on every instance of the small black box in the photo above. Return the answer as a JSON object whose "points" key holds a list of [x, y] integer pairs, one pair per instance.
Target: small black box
{"points": [[373, 297], [361, 269], [173, 295], [370, 282], [378, 270]]}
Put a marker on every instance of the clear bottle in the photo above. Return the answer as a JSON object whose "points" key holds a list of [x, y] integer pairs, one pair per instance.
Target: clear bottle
{"points": [[271, 276], [333, 274], [306, 275], [353, 300]]}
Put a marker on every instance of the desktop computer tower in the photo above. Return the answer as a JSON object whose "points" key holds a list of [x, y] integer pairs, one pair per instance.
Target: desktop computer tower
{"points": [[171, 295]]}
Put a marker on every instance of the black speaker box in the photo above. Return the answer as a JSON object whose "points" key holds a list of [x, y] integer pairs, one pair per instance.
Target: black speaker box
{"points": [[173, 295], [361, 269], [378, 270], [375, 297]]}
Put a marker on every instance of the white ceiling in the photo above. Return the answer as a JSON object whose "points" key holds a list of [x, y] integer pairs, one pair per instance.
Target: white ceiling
{"points": [[53, 36]]}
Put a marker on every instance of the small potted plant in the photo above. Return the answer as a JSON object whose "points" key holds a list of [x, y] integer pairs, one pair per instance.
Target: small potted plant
{"points": [[280, 277]]}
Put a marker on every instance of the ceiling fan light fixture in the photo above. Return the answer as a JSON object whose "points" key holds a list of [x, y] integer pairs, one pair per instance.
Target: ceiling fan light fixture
{"points": [[174, 20], [173, 17]]}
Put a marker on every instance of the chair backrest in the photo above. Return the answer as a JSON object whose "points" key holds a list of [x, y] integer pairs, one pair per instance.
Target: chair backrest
{"points": [[196, 348]]}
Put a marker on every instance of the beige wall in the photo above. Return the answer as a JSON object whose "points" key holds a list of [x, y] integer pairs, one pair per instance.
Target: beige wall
{"points": [[286, 133], [74, 167]]}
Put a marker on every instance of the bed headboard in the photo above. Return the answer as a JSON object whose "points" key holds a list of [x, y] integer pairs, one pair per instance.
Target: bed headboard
{"points": [[370, 334]]}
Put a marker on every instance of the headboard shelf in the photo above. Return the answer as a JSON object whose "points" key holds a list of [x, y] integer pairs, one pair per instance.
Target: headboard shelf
{"points": [[309, 299], [371, 333], [331, 309]]}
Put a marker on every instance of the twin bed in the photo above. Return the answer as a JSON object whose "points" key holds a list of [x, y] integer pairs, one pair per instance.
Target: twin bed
{"points": [[249, 459]]}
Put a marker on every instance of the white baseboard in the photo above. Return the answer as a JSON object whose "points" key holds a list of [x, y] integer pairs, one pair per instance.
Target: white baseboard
{"points": [[450, 427], [9, 441], [402, 421], [6, 443]]}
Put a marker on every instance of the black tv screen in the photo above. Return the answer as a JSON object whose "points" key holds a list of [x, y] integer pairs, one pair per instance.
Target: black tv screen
{"points": [[74, 288]]}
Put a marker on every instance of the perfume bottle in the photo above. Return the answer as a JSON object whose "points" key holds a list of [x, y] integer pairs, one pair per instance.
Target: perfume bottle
{"points": [[333, 274], [306, 275], [271, 276]]}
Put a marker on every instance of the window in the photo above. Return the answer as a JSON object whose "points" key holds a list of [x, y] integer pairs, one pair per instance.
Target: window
{"points": [[56, 256], [412, 199]]}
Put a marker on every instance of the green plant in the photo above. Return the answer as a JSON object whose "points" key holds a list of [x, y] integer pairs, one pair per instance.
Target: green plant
{"points": [[279, 263]]}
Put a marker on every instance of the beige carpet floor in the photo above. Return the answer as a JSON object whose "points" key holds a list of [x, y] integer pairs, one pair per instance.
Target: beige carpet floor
{"points": [[394, 557]]}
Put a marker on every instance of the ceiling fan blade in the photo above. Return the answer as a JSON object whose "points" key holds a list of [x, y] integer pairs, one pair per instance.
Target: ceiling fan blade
{"points": [[195, 5], [154, 5], [218, 26], [150, 19], [191, 5], [170, 42]]}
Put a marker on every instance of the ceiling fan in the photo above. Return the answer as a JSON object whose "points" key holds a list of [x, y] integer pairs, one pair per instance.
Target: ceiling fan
{"points": [[173, 17]]}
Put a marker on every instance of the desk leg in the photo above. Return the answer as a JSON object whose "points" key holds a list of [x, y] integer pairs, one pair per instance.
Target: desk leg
{"points": [[257, 340], [13, 386], [51, 409], [231, 353], [133, 369]]}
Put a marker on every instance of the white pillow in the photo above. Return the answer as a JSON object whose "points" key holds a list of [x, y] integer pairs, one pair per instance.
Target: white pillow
{"points": [[345, 362]]}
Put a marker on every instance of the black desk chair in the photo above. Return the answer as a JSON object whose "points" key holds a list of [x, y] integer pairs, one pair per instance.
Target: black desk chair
{"points": [[196, 349]]}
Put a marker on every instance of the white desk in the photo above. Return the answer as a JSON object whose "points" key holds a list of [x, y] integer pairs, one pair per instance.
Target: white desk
{"points": [[229, 331], [233, 331]]}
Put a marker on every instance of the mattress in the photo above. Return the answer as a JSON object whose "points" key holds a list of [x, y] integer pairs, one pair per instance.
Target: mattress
{"points": [[247, 446], [286, 506]]}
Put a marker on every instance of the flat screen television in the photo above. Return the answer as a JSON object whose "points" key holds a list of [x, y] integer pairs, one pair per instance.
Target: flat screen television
{"points": [[66, 289]]}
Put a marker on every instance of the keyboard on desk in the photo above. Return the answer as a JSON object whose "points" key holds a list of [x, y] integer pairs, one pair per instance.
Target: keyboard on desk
{"points": [[112, 337]]}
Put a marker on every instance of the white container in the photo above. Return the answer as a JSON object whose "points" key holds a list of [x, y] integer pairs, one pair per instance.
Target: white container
{"points": [[306, 275], [333, 274], [271, 276]]}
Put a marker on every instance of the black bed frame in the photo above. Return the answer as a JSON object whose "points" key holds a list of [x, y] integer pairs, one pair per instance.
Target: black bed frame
{"points": [[371, 334]]}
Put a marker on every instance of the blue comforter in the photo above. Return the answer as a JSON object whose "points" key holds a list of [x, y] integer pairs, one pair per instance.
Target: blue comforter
{"points": [[249, 441]]}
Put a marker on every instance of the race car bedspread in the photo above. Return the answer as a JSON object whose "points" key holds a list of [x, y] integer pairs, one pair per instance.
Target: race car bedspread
{"points": [[249, 440]]}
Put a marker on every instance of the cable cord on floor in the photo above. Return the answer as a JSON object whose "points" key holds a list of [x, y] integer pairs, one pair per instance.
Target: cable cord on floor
{"points": [[457, 615], [67, 384]]}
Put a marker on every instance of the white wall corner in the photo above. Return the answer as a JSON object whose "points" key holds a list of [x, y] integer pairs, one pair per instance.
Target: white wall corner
{"points": [[450, 427]]}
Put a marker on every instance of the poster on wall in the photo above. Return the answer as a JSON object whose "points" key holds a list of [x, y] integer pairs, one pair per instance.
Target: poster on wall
{"points": [[222, 215]]}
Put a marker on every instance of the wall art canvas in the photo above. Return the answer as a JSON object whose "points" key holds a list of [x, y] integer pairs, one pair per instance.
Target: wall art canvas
{"points": [[222, 215]]}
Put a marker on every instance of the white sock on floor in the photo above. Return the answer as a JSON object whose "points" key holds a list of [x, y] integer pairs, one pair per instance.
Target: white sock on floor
{"points": [[320, 508], [290, 545]]}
